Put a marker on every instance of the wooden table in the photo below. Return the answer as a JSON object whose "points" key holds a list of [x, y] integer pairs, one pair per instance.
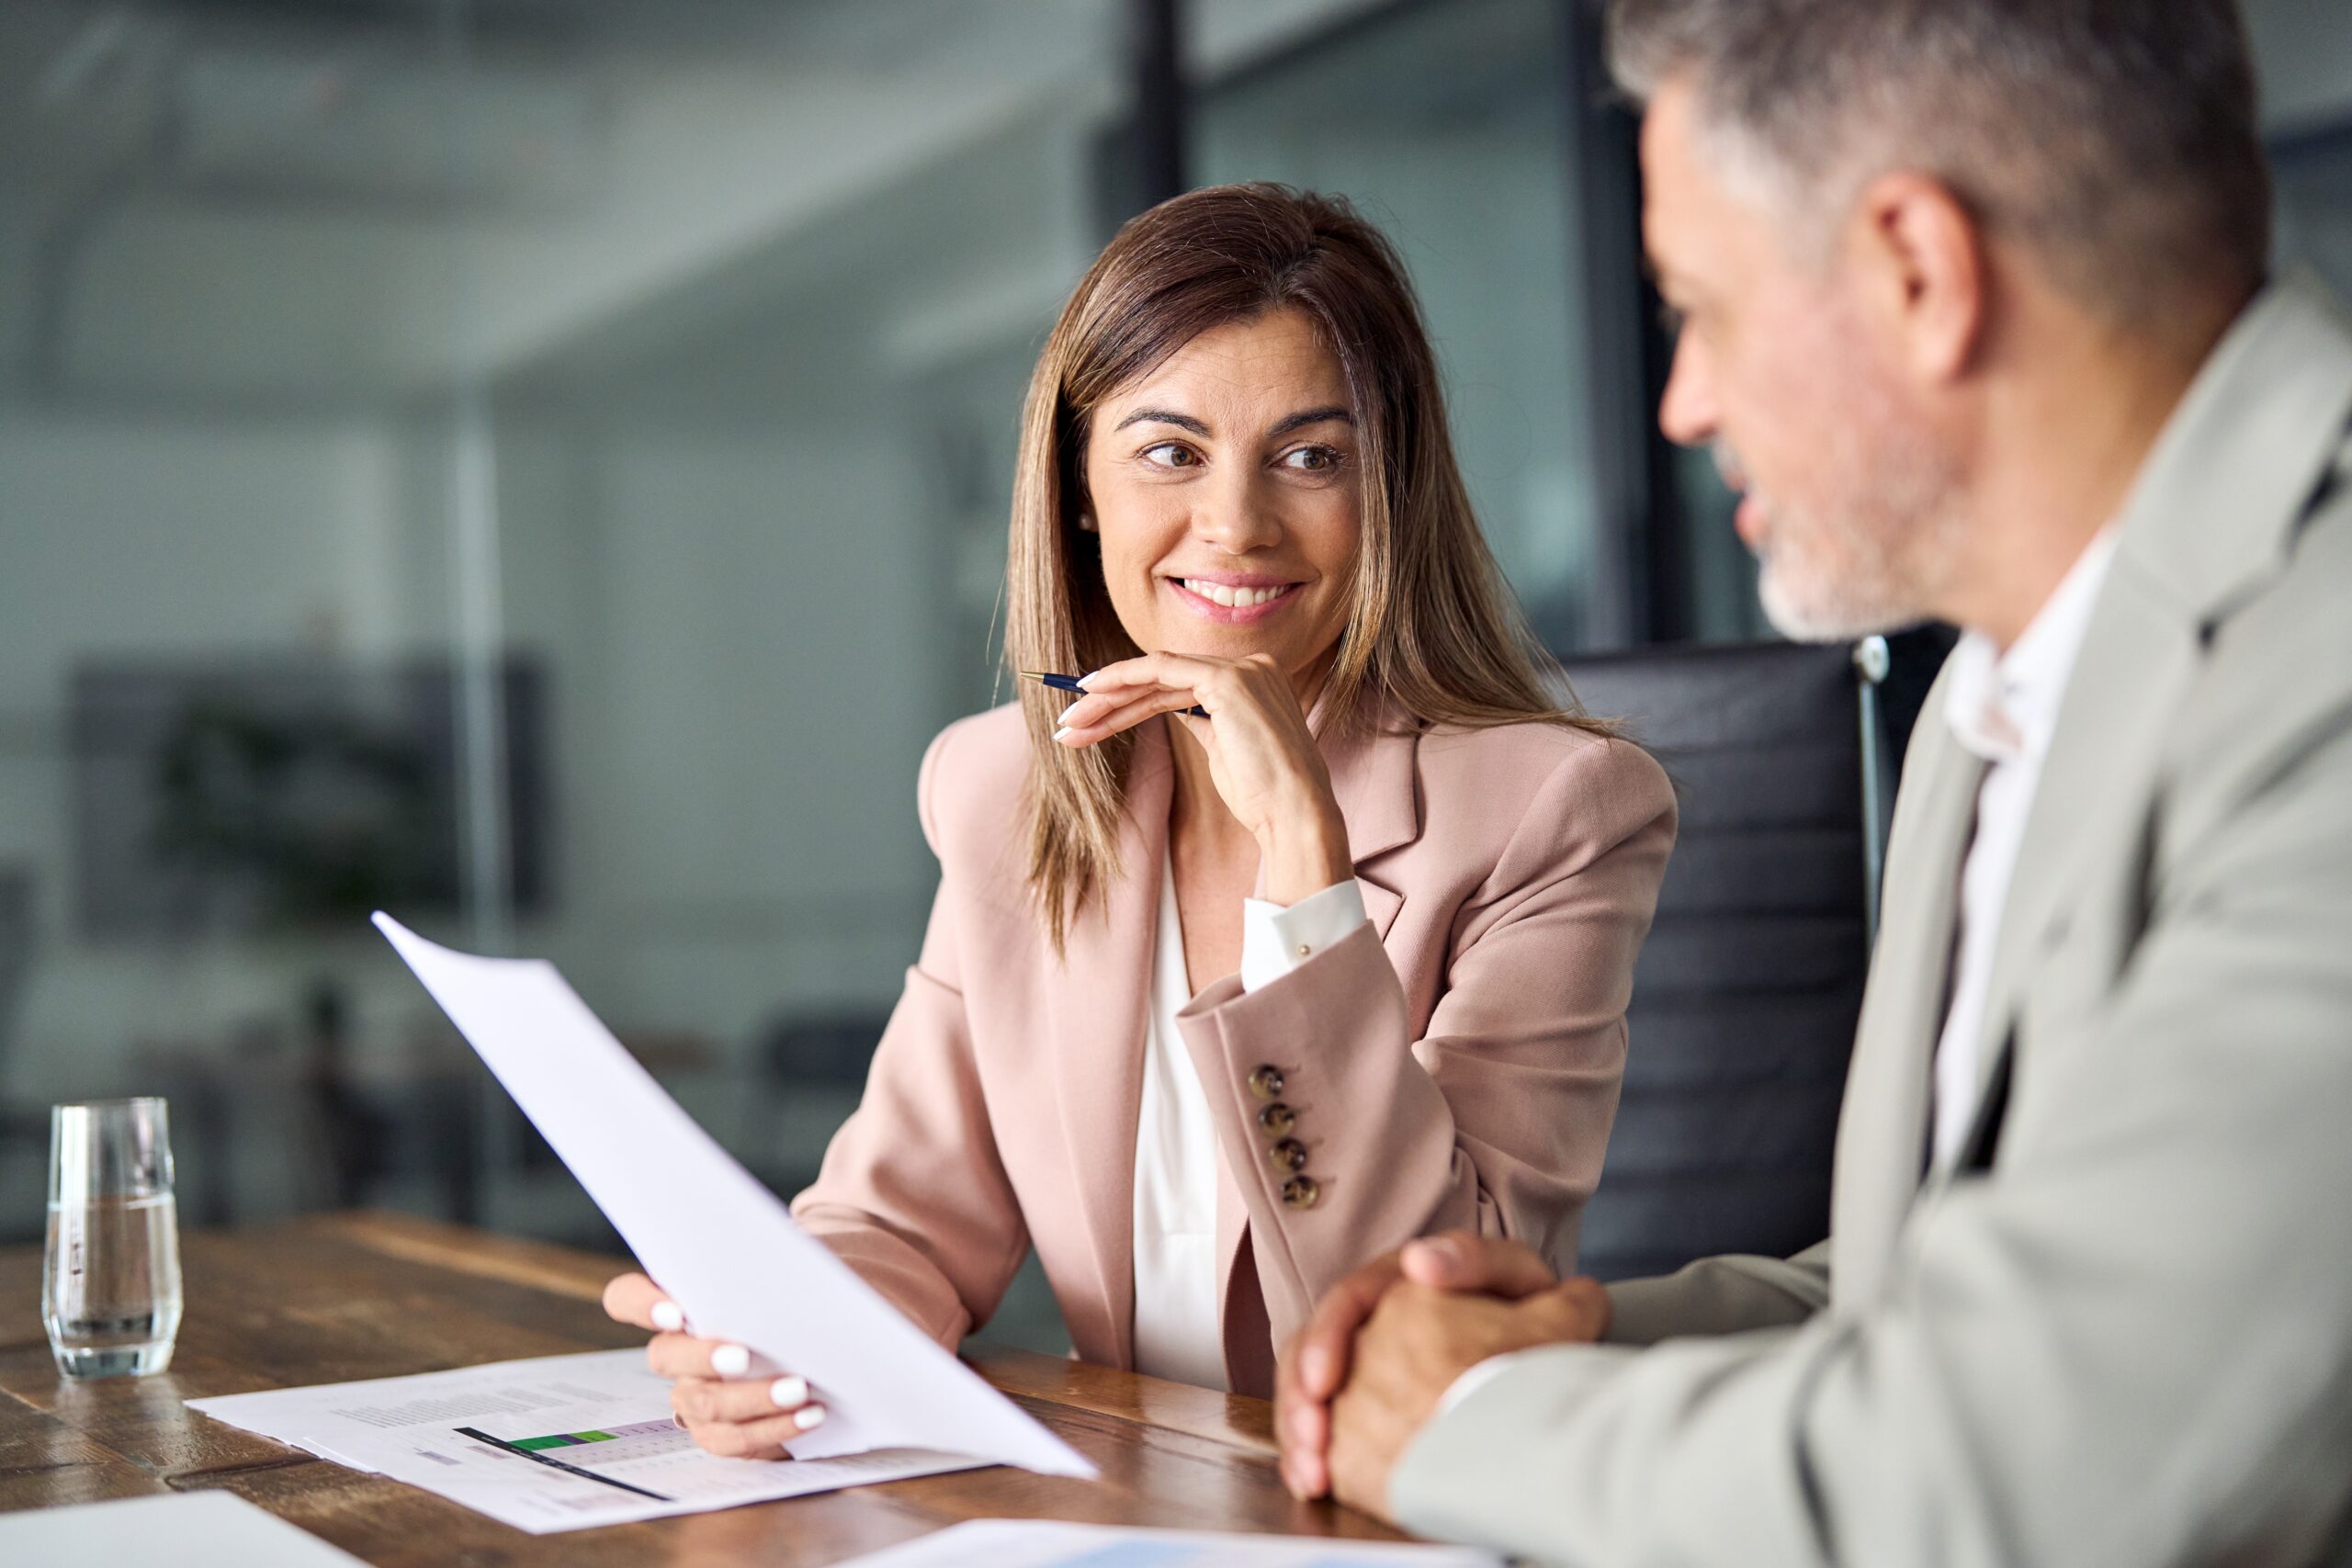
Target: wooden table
{"points": [[336, 1297]]}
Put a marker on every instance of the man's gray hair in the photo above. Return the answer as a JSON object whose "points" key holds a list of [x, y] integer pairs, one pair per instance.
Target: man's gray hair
{"points": [[2118, 137]]}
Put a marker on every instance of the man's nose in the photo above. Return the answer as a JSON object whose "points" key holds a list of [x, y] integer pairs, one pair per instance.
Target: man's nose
{"points": [[1686, 412]]}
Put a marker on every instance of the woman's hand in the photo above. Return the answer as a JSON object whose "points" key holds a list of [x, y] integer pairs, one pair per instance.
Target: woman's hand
{"points": [[1262, 756], [730, 1413]]}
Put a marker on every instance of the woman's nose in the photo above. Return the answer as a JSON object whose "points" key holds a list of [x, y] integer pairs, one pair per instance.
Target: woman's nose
{"points": [[1237, 517]]}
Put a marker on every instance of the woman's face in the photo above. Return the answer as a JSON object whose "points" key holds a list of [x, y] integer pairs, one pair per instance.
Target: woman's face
{"points": [[1225, 489]]}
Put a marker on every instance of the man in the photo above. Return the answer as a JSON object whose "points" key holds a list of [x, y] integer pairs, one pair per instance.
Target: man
{"points": [[1975, 311]]}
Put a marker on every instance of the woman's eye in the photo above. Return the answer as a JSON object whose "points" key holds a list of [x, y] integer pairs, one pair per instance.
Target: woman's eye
{"points": [[1171, 454], [1312, 460]]}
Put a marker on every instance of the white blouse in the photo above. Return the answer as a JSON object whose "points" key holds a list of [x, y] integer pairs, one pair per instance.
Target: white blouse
{"points": [[1178, 1331]]}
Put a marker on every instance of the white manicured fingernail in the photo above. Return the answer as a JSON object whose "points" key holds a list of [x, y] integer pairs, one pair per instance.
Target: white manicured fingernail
{"points": [[809, 1416], [789, 1393], [1063, 733], [667, 1316], [1086, 681], [731, 1361]]}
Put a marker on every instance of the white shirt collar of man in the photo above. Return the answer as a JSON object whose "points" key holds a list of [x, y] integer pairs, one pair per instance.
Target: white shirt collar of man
{"points": [[2004, 707]]}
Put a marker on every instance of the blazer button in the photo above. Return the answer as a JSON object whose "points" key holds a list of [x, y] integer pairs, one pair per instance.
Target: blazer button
{"points": [[1266, 1083], [1288, 1154], [1277, 1120], [1300, 1193]]}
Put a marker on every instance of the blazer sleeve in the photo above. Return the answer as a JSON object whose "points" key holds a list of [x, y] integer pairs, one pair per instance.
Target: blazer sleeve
{"points": [[1493, 1121], [911, 1194], [2130, 1342], [1720, 1295]]}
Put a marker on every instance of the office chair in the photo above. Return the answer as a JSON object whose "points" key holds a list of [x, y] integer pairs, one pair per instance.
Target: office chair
{"points": [[1746, 992]]}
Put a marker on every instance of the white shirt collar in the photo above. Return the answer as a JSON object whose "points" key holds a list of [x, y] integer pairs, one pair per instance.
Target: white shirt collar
{"points": [[2003, 706]]}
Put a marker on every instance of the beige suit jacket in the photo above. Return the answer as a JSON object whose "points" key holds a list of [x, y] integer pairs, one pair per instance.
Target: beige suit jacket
{"points": [[2120, 1330], [1454, 1065]]}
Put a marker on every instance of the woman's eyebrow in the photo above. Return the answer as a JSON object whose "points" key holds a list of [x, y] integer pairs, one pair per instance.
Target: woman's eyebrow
{"points": [[1310, 416], [1163, 416]]}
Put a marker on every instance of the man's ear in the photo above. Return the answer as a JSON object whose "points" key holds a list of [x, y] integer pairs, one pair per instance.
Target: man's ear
{"points": [[1919, 255]]}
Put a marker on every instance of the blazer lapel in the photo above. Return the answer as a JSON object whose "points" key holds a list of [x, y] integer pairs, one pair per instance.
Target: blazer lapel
{"points": [[1883, 1127], [1099, 1040], [1374, 780]]}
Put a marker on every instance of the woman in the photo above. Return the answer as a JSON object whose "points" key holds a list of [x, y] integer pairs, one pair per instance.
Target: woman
{"points": [[1213, 1009]]}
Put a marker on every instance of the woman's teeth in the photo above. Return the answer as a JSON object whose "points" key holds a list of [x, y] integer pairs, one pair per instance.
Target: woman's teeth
{"points": [[1237, 598]]}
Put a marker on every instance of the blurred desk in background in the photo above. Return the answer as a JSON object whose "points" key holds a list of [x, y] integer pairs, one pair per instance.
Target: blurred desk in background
{"points": [[332, 1298], [274, 1124]]}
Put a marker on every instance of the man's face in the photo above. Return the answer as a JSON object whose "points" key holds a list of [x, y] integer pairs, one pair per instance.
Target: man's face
{"points": [[1849, 500]]}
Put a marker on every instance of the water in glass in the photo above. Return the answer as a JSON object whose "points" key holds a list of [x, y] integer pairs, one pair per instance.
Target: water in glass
{"points": [[111, 1289]]}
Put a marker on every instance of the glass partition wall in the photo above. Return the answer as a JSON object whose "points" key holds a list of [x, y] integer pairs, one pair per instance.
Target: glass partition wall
{"points": [[537, 468], [237, 695]]}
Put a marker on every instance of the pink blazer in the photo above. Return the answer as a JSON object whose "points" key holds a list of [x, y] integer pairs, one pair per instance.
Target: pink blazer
{"points": [[1453, 1067]]}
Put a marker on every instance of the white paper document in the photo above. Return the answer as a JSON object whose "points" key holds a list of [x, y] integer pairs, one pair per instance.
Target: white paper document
{"points": [[721, 1244], [187, 1529], [1036, 1543], [556, 1443]]}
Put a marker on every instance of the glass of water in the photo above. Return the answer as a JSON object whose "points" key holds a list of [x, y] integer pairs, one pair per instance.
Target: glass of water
{"points": [[110, 1286]]}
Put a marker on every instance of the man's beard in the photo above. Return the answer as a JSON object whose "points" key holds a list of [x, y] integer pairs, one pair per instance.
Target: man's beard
{"points": [[1874, 563]]}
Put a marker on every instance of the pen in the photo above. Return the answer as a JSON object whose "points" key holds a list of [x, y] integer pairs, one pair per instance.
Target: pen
{"points": [[1069, 683], [520, 1452]]}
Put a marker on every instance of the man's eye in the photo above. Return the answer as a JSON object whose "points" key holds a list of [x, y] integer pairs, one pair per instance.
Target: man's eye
{"points": [[1171, 454]]}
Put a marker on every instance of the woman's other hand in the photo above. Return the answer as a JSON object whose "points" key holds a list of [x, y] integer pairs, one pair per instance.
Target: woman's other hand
{"points": [[712, 1392], [1262, 756]]}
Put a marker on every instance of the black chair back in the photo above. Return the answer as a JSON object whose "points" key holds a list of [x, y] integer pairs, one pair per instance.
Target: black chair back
{"points": [[1746, 992]]}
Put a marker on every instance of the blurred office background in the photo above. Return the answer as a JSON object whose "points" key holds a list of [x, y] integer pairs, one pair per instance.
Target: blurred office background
{"points": [[540, 467]]}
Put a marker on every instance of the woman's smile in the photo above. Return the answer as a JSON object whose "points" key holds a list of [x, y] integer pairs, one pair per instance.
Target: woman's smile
{"points": [[1232, 598]]}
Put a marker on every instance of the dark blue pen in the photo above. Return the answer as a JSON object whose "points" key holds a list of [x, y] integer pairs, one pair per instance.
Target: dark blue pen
{"points": [[1069, 683]]}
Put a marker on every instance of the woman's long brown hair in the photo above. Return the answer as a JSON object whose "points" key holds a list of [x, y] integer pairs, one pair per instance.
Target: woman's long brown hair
{"points": [[1435, 629]]}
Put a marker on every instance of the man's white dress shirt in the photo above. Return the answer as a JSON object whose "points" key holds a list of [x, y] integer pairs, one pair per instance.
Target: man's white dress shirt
{"points": [[2004, 708], [1178, 1333]]}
